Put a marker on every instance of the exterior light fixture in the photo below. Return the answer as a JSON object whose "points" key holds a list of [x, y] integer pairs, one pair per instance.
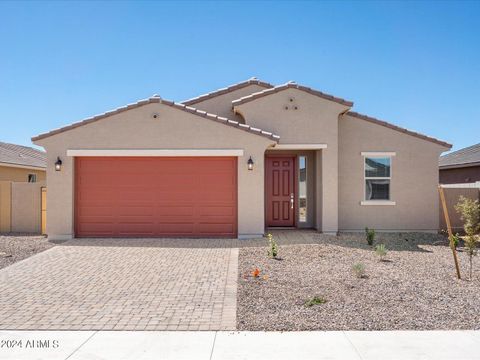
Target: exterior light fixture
{"points": [[58, 164], [250, 163]]}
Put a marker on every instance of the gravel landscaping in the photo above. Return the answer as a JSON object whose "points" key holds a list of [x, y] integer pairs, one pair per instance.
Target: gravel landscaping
{"points": [[415, 288], [16, 247]]}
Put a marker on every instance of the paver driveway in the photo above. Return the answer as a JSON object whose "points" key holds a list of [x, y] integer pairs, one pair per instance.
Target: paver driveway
{"points": [[122, 285]]}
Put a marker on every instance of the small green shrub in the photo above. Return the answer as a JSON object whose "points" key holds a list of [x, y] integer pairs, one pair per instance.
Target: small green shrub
{"points": [[471, 247], [273, 247], [469, 211], [359, 270], [381, 251], [370, 233], [456, 240], [316, 300]]}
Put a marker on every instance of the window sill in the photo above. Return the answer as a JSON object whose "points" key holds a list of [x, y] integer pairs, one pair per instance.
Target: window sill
{"points": [[378, 202]]}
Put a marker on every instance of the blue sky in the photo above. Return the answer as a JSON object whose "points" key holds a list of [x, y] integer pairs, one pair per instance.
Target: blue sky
{"points": [[415, 64]]}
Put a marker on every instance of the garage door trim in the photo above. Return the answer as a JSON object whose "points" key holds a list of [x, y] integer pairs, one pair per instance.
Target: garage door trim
{"points": [[155, 152]]}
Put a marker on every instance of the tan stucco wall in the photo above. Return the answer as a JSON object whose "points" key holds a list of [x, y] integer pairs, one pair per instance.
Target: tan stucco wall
{"points": [[8, 173], [5, 206], [26, 207], [413, 185], [136, 129], [222, 104], [315, 121]]}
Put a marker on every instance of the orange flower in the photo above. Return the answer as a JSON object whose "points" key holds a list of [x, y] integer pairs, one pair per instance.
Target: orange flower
{"points": [[255, 273]]}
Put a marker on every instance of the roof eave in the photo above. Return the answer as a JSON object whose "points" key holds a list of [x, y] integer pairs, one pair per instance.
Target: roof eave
{"points": [[458, 166], [226, 90], [399, 129], [22, 166], [290, 85], [157, 99]]}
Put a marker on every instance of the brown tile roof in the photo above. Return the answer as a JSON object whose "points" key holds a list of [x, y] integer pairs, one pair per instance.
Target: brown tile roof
{"points": [[398, 128], [22, 155], [290, 85], [240, 85], [157, 99], [461, 158]]}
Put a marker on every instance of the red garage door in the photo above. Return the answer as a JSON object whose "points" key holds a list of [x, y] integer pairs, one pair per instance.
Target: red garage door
{"points": [[155, 196]]}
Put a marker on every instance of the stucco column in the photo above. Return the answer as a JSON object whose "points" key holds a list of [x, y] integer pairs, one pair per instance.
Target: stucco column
{"points": [[318, 190], [60, 197], [327, 189], [251, 195]]}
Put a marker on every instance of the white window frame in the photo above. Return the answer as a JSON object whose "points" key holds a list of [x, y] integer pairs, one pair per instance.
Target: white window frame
{"points": [[34, 176], [376, 154]]}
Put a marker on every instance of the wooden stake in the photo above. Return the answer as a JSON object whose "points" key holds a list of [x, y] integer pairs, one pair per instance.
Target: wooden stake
{"points": [[449, 228]]}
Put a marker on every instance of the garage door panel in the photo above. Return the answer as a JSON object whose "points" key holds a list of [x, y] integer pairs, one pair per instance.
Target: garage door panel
{"points": [[96, 228], [95, 201], [217, 211], [171, 211], [95, 211], [173, 179], [167, 197], [135, 228], [220, 179], [155, 197], [135, 210], [218, 164], [98, 182], [215, 228], [176, 228], [217, 197], [88, 220]]}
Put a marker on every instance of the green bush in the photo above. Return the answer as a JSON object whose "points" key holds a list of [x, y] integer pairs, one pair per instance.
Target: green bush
{"points": [[370, 233], [469, 211], [316, 300], [273, 247], [359, 270], [456, 240], [381, 251]]}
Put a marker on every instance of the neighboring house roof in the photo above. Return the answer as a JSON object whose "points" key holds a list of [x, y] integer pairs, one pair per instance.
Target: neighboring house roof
{"points": [[12, 154], [237, 86], [398, 128], [469, 156], [290, 85], [157, 99]]}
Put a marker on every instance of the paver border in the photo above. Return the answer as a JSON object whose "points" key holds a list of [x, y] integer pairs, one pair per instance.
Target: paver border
{"points": [[229, 308]]}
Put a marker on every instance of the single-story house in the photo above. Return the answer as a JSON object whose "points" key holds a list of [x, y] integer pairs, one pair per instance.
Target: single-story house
{"points": [[461, 166], [22, 163], [235, 162]]}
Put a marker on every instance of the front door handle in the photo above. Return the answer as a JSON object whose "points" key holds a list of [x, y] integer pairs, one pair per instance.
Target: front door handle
{"points": [[291, 201]]}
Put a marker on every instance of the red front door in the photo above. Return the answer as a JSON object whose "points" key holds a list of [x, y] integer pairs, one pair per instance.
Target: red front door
{"points": [[280, 188]]}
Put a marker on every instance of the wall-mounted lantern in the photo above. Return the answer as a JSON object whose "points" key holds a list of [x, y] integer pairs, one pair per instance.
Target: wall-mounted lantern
{"points": [[58, 164], [250, 163]]}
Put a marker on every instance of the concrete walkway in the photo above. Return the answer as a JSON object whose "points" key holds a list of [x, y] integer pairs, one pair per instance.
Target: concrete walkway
{"points": [[208, 345]]}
